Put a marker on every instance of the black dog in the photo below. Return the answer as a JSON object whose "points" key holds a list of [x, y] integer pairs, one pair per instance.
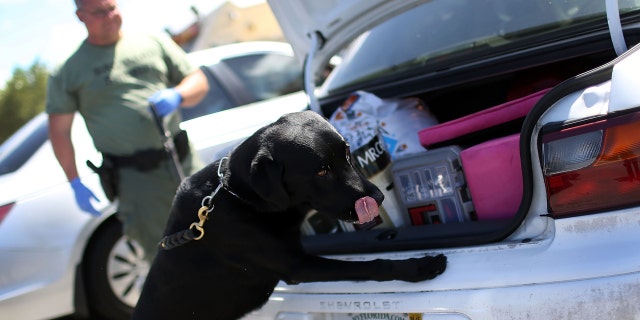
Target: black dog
{"points": [[251, 237]]}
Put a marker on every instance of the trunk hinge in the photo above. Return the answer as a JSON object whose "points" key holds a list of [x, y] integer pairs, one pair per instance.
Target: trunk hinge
{"points": [[615, 26], [309, 77]]}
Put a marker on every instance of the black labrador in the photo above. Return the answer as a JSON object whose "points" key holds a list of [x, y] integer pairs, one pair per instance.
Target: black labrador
{"points": [[249, 234]]}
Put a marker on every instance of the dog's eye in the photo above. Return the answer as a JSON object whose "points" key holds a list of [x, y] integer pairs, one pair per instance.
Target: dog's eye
{"points": [[324, 171]]}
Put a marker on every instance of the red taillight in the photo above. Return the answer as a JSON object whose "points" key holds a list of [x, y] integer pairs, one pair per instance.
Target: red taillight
{"points": [[593, 167], [4, 210]]}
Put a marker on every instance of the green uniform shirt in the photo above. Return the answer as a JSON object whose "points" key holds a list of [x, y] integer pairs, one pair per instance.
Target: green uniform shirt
{"points": [[109, 86]]}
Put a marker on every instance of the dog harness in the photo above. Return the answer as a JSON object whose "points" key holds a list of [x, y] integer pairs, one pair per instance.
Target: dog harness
{"points": [[196, 229]]}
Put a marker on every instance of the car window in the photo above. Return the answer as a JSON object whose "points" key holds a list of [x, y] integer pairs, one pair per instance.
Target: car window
{"points": [[23, 144], [444, 30], [269, 75], [216, 99], [251, 78]]}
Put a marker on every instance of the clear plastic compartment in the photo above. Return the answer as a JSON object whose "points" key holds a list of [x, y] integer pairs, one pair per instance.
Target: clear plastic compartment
{"points": [[431, 189]]}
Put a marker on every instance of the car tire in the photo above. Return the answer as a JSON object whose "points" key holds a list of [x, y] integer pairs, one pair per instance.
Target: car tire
{"points": [[114, 272]]}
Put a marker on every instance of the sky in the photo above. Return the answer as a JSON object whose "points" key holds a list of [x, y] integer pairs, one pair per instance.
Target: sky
{"points": [[48, 30]]}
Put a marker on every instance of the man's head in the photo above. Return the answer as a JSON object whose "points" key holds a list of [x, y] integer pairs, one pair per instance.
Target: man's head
{"points": [[102, 19]]}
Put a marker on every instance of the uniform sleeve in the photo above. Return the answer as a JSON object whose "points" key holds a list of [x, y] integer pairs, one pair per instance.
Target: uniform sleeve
{"points": [[176, 60], [59, 100]]}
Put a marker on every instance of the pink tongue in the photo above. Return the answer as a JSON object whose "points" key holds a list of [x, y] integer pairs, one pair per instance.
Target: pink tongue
{"points": [[367, 209]]}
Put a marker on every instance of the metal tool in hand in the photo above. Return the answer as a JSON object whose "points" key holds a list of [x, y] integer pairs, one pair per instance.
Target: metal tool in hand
{"points": [[167, 140]]}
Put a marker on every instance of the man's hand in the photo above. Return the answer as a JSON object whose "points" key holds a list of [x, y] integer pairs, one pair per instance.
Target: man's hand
{"points": [[166, 101], [84, 196]]}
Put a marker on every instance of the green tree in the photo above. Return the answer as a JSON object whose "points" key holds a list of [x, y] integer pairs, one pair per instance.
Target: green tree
{"points": [[22, 98]]}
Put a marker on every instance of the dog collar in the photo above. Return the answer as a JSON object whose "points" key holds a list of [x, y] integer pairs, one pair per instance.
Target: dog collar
{"points": [[196, 229]]}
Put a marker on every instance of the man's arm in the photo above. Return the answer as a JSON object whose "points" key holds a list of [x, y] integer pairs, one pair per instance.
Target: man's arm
{"points": [[60, 135], [193, 88]]}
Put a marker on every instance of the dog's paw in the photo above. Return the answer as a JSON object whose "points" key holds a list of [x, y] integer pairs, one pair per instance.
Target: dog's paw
{"points": [[420, 269]]}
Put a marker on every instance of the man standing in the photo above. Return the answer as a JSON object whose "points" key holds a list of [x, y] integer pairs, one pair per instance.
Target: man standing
{"points": [[111, 79]]}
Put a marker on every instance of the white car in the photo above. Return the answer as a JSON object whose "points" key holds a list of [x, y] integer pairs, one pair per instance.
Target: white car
{"points": [[538, 105], [56, 260]]}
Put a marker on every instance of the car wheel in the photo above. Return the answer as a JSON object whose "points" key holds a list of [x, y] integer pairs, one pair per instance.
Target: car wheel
{"points": [[115, 270]]}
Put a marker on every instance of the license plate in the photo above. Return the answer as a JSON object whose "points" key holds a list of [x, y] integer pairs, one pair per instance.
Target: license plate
{"points": [[377, 316]]}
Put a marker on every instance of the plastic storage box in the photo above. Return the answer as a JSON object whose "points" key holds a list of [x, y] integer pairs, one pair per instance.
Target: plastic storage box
{"points": [[431, 188]]}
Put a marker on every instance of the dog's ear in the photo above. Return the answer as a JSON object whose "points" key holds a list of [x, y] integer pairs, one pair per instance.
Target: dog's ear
{"points": [[266, 178]]}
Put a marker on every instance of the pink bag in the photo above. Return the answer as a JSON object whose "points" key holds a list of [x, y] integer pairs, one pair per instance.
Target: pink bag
{"points": [[478, 121], [494, 178], [492, 169]]}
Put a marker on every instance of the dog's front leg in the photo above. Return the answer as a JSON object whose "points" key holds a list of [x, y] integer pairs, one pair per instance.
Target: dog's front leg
{"points": [[318, 269]]}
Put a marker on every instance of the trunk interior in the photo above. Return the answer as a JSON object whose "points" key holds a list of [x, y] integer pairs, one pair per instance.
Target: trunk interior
{"points": [[455, 93]]}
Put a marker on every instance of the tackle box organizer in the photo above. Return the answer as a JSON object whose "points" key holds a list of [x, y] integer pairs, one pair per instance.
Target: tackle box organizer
{"points": [[431, 188]]}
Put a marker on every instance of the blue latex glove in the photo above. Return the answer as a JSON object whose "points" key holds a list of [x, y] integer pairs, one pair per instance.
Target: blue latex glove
{"points": [[84, 196], [166, 101]]}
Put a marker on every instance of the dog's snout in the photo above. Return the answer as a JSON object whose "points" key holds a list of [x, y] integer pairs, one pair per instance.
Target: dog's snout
{"points": [[374, 192], [379, 197]]}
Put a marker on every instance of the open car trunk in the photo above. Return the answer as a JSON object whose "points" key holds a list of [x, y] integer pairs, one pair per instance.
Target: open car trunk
{"points": [[482, 109]]}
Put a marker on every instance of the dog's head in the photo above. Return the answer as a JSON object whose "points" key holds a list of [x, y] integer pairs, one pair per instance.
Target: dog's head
{"points": [[301, 160]]}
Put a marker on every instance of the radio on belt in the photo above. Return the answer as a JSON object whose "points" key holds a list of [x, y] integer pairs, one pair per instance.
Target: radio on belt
{"points": [[431, 188]]}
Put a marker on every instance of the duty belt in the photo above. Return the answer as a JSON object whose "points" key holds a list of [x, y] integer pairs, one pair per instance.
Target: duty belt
{"points": [[149, 159]]}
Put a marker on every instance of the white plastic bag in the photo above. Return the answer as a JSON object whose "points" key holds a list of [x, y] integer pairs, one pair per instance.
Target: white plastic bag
{"points": [[363, 115]]}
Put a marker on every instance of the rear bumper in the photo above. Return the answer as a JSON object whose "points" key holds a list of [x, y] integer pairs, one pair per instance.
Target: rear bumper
{"points": [[613, 297], [580, 268]]}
